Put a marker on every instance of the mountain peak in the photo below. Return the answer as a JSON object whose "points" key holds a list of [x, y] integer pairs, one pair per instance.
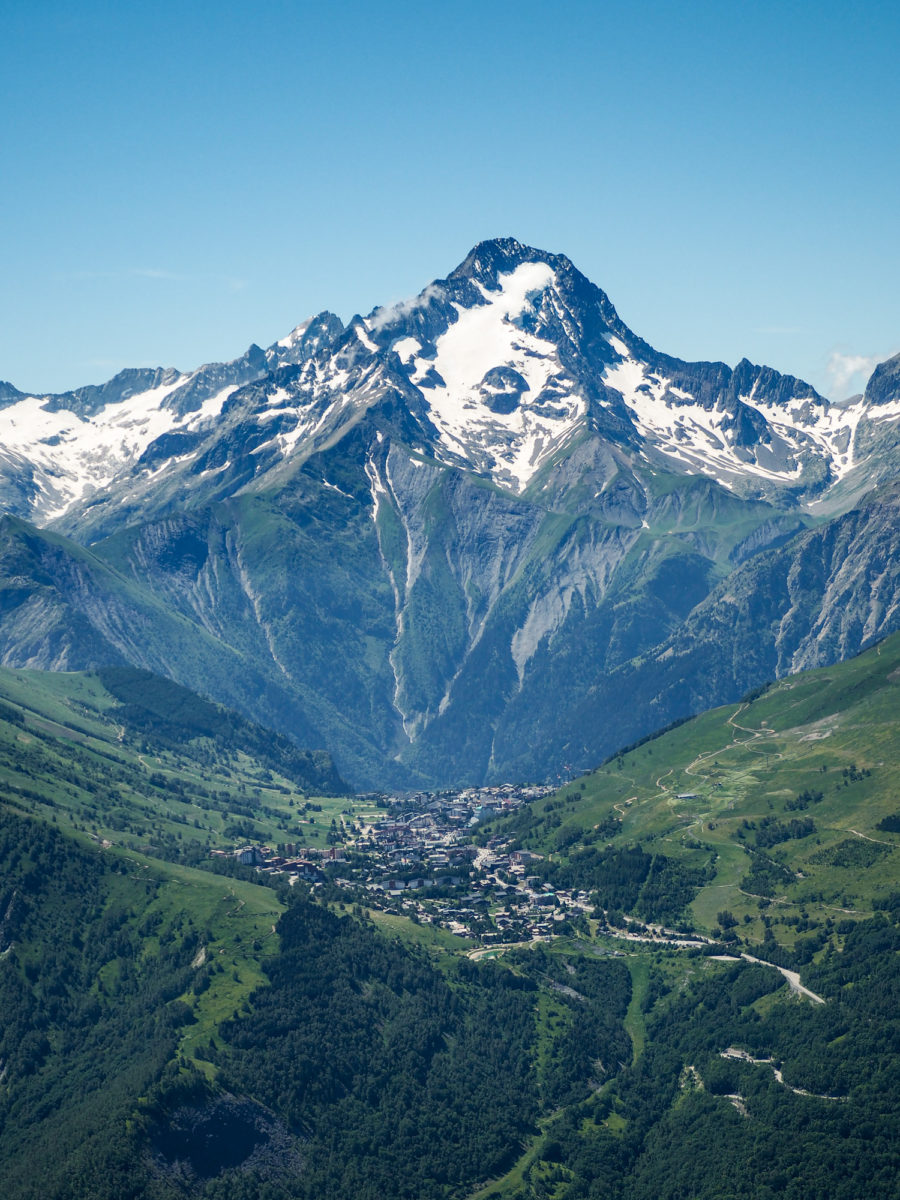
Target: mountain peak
{"points": [[8, 393], [500, 256], [884, 382], [503, 368], [306, 338]]}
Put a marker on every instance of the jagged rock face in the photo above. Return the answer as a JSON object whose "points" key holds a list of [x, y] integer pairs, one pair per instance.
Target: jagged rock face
{"points": [[488, 532], [56, 451], [883, 387], [497, 369], [820, 597]]}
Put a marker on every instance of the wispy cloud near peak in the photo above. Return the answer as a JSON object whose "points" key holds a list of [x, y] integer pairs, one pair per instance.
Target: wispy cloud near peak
{"points": [[848, 373]]}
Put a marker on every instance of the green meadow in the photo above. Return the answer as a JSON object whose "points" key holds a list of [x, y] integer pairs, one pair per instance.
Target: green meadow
{"points": [[788, 801]]}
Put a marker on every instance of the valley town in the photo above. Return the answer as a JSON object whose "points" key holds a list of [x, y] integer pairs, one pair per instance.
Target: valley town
{"points": [[426, 856]]}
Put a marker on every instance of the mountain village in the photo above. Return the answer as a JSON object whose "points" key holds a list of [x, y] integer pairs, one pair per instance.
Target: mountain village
{"points": [[420, 859]]}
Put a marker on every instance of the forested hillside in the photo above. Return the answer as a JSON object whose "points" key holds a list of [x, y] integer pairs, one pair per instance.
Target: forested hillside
{"points": [[172, 1029], [94, 960]]}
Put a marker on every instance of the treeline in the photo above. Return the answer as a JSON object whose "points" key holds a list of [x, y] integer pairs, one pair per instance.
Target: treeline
{"points": [[772, 832], [653, 887], [766, 877], [10, 713], [172, 715], [586, 1044]]}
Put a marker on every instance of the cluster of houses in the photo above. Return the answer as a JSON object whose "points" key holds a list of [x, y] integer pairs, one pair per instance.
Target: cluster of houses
{"points": [[503, 900], [295, 862], [456, 807], [417, 857], [424, 840]]}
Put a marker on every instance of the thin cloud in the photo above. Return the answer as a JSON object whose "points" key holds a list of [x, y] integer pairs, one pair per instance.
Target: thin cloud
{"points": [[156, 273], [849, 373], [388, 316]]}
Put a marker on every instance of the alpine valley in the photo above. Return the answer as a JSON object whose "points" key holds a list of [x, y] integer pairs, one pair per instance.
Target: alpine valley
{"points": [[486, 533]]}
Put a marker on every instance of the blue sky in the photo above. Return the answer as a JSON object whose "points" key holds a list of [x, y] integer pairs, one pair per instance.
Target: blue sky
{"points": [[182, 179]]}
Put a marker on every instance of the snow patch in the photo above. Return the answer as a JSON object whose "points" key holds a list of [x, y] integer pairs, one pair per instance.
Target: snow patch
{"points": [[702, 439], [287, 343], [511, 445], [407, 348], [72, 456], [334, 487], [362, 333]]}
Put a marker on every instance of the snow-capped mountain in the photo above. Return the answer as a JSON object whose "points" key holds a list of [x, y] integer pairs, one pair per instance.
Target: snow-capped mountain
{"points": [[464, 537], [56, 450], [531, 351], [501, 366]]}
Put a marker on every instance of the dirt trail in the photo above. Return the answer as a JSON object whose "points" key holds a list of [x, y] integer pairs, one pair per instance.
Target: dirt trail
{"points": [[791, 976], [865, 837], [733, 1052], [692, 768], [756, 735]]}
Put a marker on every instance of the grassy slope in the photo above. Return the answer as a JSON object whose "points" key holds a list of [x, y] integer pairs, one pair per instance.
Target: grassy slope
{"points": [[687, 793], [68, 761], [137, 794]]}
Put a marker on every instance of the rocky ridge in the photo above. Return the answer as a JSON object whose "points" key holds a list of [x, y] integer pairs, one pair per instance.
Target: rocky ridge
{"points": [[467, 537]]}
